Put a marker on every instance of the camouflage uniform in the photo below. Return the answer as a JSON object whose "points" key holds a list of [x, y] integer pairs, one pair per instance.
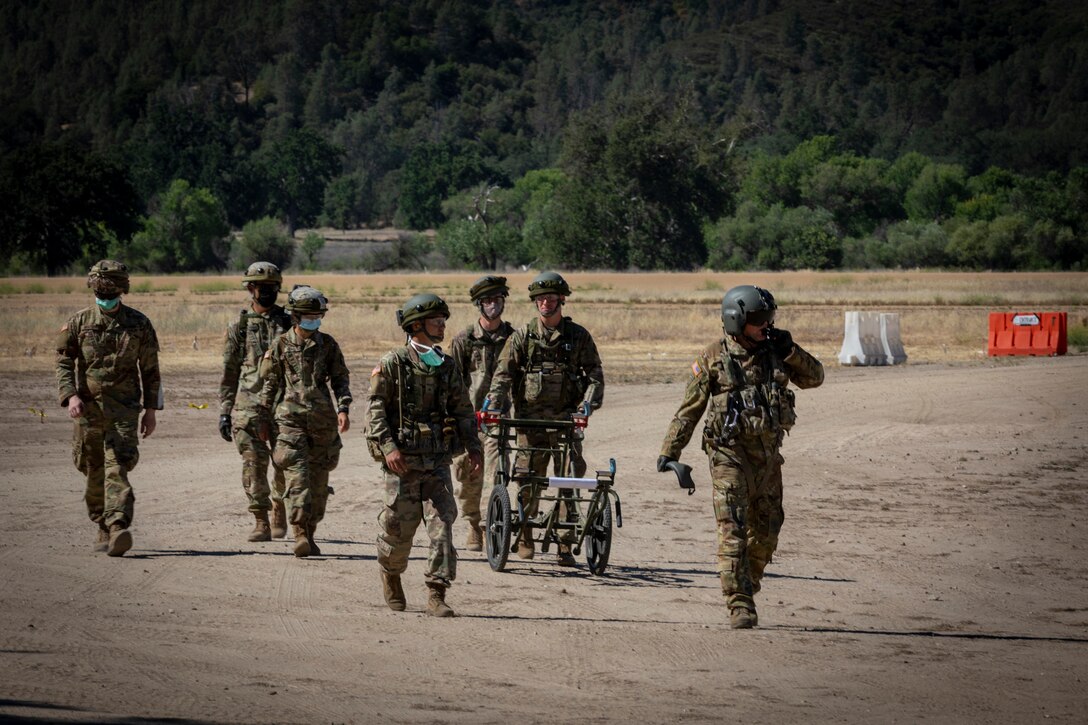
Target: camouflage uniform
{"points": [[423, 412], [247, 340], [297, 375], [548, 375], [476, 352], [745, 464], [111, 361]]}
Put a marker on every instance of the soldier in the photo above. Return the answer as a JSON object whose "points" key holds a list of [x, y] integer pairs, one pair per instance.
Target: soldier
{"points": [[298, 370], [107, 370], [476, 350], [248, 338], [549, 370], [419, 414], [743, 378]]}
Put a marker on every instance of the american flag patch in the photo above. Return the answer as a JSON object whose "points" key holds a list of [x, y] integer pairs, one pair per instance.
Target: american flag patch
{"points": [[695, 369], [377, 369]]}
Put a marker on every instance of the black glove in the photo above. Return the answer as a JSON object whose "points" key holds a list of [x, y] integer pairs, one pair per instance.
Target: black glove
{"points": [[224, 427], [663, 461], [781, 341]]}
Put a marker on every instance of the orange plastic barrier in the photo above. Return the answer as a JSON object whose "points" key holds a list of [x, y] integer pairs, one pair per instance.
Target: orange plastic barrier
{"points": [[1027, 333]]}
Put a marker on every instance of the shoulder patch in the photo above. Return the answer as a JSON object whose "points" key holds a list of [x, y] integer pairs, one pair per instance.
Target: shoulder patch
{"points": [[696, 370], [377, 370]]}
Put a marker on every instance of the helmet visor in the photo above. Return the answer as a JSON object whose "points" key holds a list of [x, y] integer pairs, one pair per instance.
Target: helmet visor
{"points": [[759, 317]]}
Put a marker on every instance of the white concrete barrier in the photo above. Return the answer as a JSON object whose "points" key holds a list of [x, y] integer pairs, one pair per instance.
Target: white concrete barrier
{"points": [[872, 338]]}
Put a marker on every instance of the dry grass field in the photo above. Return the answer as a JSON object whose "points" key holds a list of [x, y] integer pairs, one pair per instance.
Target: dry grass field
{"points": [[646, 324]]}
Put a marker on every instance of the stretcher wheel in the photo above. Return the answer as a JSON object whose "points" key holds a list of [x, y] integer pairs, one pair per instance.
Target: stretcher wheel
{"points": [[598, 541], [497, 533]]}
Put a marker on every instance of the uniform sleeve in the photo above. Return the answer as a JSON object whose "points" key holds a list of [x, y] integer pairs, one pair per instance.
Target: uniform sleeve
{"points": [[805, 370], [460, 353], [150, 379], [593, 373], [459, 405], [67, 347], [232, 368], [696, 396], [339, 378], [507, 371], [271, 372], [379, 429]]}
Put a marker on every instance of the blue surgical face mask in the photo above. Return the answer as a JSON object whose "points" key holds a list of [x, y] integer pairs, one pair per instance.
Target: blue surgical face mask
{"points": [[108, 305], [310, 325], [428, 355]]}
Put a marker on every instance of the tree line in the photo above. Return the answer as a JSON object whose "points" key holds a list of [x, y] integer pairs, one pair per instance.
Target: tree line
{"points": [[659, 135]]}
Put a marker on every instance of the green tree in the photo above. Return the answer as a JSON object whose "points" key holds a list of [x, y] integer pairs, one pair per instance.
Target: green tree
{"points": [[263, 239], [312, 244], [935, 193], [60, 204], [185, 232], [297, 169], [478, 233]]}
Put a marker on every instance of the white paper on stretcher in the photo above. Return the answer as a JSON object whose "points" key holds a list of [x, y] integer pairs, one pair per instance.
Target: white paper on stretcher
{"points": [[586, 483]]}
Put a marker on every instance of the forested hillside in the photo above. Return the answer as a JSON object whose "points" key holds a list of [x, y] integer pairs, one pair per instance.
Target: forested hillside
{"points": [[734, 134]]}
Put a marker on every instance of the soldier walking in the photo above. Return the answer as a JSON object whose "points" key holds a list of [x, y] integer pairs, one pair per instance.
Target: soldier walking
{"points": [[476, 351], [743, 379], [107, 371], [548, 370], [247, 340], [418, 416], [298, 371]]}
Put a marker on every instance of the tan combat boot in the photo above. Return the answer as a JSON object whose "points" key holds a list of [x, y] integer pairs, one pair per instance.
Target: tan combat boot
{"points": [[279, 520], [311, 529], [302, 542], [102, 539], [742, 618], [436, 602], [120, 540], [394, 594], [261, 530], [526, 547], [475, 540]]}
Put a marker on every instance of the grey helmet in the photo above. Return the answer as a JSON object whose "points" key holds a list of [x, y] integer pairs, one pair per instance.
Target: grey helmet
{"points": [[420, 307], [744, 305], [305, 300]]}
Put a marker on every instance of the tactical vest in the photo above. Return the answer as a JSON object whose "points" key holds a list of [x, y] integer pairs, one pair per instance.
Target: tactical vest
{"points": [[422, 426], [763, 410], [551, 377], [256, 333]]}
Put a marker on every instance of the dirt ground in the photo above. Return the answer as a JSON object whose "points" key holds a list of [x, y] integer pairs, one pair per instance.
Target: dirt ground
{"points": [[933, 565]]}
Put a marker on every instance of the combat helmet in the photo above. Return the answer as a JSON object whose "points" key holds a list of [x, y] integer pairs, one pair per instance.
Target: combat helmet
{"points": [[744, 305], [420, 307], [263, 273], [305, 300], [488, 286], [548, 283], [108, 277]]}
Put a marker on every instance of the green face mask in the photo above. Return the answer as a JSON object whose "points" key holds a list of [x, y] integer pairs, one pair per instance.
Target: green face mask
{"points": [[108, 305], [428, 355]]}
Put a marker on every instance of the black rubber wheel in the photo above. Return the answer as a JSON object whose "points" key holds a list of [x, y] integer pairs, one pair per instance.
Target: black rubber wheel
{"points": [[497, 531], [598, 541]]}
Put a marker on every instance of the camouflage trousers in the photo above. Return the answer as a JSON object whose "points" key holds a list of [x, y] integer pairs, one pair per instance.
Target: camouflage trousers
{"points": [[547, 443], [256, 455], [748, 507], [471, 489], [306, 457], [404, 510], [105, 449]]}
